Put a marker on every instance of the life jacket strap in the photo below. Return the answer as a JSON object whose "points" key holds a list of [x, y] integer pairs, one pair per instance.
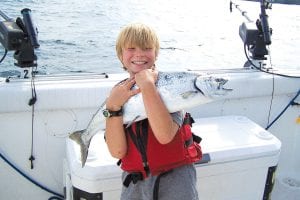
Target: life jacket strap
{"points": [[196, 138], [133, 177], [188, 119], [188, 142], [156, 184]]}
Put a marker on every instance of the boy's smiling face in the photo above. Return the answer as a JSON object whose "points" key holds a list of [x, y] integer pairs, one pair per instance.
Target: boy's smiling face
{"points": [[135, 59], [137, 47]]}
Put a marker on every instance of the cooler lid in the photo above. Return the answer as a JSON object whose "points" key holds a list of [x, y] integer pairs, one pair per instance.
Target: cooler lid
{"points": [[232, 138]]}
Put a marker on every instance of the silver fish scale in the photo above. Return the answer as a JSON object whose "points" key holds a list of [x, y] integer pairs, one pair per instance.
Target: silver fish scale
{"points": [[166, 78]]}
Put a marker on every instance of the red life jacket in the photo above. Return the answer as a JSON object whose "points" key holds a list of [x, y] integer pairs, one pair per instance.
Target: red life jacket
{"points": [[145, 155]]}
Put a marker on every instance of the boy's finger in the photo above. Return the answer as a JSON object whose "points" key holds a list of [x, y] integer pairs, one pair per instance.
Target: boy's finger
{"points": [[135, 91]]}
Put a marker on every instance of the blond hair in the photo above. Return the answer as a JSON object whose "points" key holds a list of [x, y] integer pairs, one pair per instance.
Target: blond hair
{"points": [[139, 35]]}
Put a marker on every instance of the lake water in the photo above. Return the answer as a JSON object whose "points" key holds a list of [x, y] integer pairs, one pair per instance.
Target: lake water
{"points": [[78, 35]]}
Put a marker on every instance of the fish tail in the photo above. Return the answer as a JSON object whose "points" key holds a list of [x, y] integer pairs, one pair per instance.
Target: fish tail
{"points": [[77, 136], [84, 148]]}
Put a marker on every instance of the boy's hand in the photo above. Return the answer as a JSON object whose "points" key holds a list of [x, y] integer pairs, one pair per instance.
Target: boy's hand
{"points": [[146, 78], [120, 94]]}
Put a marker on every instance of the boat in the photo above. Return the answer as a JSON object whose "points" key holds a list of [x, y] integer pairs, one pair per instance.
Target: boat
{"points": [[250, 139]]}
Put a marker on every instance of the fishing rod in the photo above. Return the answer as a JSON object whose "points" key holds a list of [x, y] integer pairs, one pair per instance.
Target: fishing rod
{"points": [[2, 14], [267, 31], [244, 13]]}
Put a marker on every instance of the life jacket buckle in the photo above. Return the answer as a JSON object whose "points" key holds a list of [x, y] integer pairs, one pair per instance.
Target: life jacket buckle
{"points": [[133, 177]]}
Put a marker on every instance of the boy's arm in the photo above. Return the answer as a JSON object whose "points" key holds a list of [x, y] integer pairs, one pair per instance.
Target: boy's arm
{"points": [[114, 133], [115, 137], [161, 121]]}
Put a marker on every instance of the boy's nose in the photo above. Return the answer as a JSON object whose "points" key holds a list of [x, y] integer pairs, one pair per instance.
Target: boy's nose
{"points": [[139, 51]]}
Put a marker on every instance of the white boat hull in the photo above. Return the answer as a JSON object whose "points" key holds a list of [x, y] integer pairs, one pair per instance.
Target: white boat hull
{"points": [[65, 104]]}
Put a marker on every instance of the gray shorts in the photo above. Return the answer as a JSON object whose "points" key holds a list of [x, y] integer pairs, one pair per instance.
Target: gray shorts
{"points": [[179, 184]]}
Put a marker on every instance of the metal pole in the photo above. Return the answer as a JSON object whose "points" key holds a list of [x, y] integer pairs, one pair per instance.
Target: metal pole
{"points": [[5, 16], [244, 13]]}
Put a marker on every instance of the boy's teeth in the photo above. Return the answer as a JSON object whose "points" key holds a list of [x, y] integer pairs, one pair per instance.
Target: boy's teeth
{"points": [[139, 62]]}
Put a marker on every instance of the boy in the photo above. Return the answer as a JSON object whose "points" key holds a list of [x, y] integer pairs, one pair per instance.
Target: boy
{"points": [[137, 48]]}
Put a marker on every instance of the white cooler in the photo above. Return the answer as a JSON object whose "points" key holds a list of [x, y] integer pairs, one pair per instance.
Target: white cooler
{"points": [[239, 162]]}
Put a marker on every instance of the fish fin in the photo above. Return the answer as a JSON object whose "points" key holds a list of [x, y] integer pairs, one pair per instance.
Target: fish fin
{"points": [[188, 94], [84, 146], [132, 121]]}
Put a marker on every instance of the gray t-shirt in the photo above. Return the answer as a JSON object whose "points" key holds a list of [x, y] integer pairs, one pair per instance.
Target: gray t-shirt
{"points": [[179, 184]]}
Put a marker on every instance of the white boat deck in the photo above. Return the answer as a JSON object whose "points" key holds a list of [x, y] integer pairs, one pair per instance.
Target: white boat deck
{"points": [[286, 189]]}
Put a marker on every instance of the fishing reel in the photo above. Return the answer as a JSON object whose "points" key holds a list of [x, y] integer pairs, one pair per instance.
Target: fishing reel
{"points": [[256, 36], [20, 36]]}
